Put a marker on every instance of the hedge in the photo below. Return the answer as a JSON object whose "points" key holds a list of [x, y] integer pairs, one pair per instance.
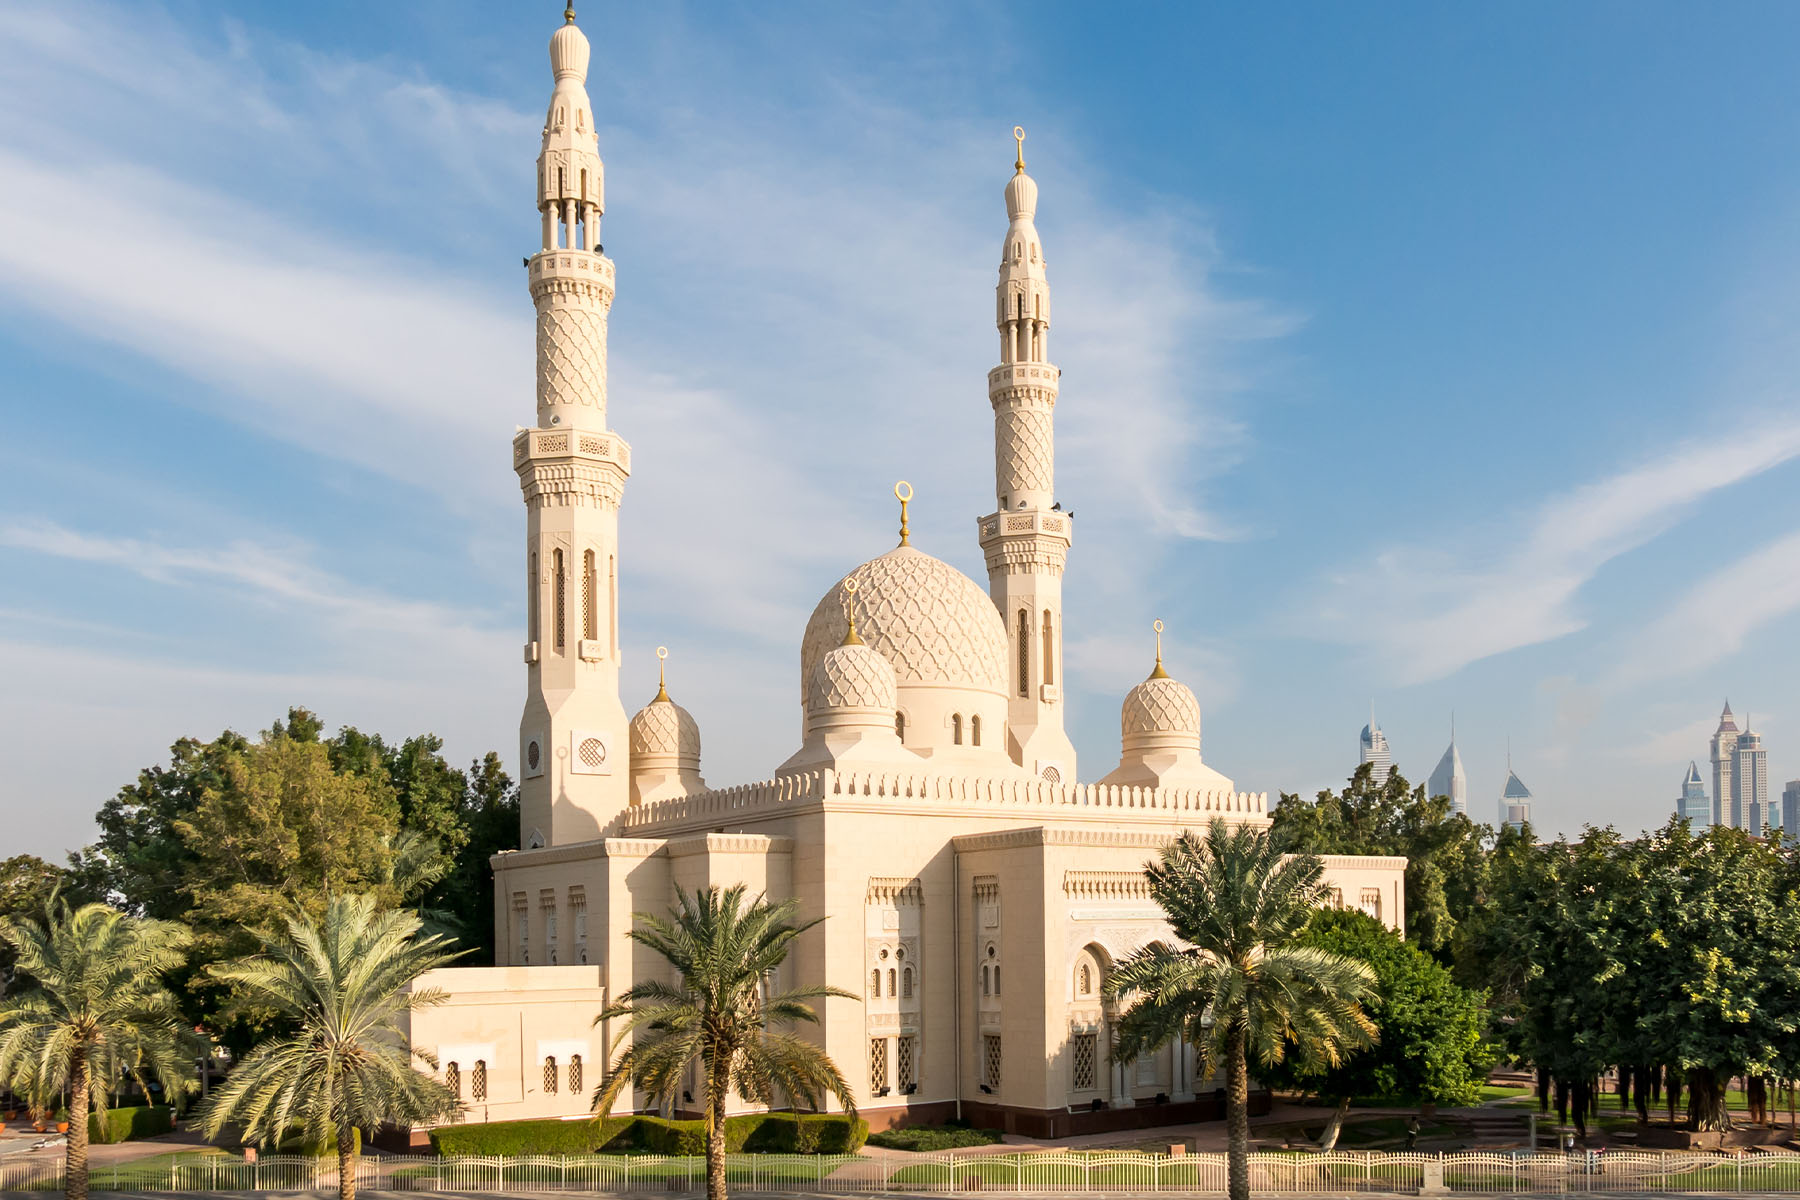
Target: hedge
{"points": [[296, 1143], [754, 1133], [123, 1124]]}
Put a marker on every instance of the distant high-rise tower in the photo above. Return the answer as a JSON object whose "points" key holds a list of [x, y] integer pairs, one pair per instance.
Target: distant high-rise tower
{"points": [[1790, 810], [1724, 747], [1515, 799], [1448, 779], [1375, 751], [1693, 803], [1750, 781]]}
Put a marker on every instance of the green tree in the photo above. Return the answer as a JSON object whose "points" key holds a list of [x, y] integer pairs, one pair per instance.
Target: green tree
{"points": [[1430, 1044], [1445, 855], [1249, 989], [723, 951], [98, 1009], [342, 984], [28, 886]]}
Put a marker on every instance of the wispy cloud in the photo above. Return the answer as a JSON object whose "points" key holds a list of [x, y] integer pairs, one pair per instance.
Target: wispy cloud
{"points": [[1717, 617], [1425, 613]]}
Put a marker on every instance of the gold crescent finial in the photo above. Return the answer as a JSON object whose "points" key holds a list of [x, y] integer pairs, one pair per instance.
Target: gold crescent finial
{"points": [[662, 686], [1019, 137], [1158, 673], [903, 492], [850, 638]]}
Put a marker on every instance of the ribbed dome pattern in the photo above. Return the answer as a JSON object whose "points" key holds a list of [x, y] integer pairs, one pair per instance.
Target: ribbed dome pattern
{"points": [[569, 52], [852, 676], [1021, 197], [1160, 706], [663, 727], [931, 622]]}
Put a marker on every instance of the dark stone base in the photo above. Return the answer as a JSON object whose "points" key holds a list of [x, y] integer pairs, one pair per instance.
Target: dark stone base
{"points": [[1665, 1137], [1047, 1124]]}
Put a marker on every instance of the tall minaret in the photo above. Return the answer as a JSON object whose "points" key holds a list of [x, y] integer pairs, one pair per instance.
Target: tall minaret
{"points": [[572, 740], [1027, 538]]}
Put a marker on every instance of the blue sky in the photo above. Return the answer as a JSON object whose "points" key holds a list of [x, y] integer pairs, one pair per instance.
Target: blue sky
{"points": [[1436, 356]]}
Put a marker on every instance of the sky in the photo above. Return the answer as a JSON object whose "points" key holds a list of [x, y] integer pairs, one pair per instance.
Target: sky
{"points": [[1418, 359]]}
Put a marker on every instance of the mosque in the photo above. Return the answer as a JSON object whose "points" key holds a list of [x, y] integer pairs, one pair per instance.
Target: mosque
{"points": [[976, 893]]}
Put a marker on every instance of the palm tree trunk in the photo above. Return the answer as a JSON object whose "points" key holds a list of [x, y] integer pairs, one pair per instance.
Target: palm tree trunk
{"points": [[75, 1164], [346, 1139], [715, 1135], [1335, 1126], [1237, 1116]]}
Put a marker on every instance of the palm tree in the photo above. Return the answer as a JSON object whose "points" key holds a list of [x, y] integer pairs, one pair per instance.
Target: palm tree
{"points": [[1245, 988], [719, 1016], [98, 1010], [342, 985]]}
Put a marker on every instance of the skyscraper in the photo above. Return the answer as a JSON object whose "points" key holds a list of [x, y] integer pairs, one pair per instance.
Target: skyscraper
{"points": [[1750, 781], [1448, 779], [1724, 746], [1515, 799], [1375, 750], [1790, 810], [1693, 804]]}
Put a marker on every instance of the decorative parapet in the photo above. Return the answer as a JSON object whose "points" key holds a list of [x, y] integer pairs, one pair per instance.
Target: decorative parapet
{"points": [[918, 790], [1106, 885], [894, 890]]}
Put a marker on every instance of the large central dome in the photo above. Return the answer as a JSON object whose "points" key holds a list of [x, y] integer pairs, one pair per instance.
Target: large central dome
{"points": [[933, 624]]}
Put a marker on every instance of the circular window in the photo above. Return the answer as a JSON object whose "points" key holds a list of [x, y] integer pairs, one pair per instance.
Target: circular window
{"points": [[532, 755], [884, 956], [1052, 775], [592, 752]]}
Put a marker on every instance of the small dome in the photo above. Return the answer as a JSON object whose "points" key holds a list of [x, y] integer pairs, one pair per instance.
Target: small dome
{"points": [[662, 728], [934, 625], [1162, 708], [851, 676], [569, 51], [1021, 197]]}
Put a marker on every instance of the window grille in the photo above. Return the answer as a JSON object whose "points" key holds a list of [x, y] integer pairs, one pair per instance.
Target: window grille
{"points": [[1085, 1050], [575, 1074], [550, 1076], [478, 1081], [907, 1070], [1024, 653], [875, 982], [878, 1065], [1049, 651], [1084, 981], [906, 986], [590, 617], [558, 582], [990, 1059], [453, 1079], [535, 615], [890, 981]]}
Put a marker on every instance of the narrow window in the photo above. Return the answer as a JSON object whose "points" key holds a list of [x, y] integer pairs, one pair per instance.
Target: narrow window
{"points": [[590, 616], [557, 582], [536, 603], [575, 1074], [550, 1076], [956, 730], [996, 979], [907, 1077], [875, 982], [890, 981], [900, 726], [990, 1059], [478, 1081], [1024, 653], [878, 1065], [453, 1079], [906, 983], [1082, 1077], [975, 729], [987, 986], [612, 605], [1085, 981], [1049, 650]]}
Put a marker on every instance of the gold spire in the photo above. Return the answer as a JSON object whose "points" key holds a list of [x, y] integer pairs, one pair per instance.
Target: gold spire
{"points": [[662, 686], [850, 638], [903, 492], [569, 13], [1158, 673], [1019, 137]]}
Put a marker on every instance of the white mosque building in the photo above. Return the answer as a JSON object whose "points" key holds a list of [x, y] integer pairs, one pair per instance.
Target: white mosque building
{"points": [[976, 892]]}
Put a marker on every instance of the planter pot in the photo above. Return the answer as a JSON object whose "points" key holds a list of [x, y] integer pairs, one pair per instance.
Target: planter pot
{"points": [[62, 1127]]}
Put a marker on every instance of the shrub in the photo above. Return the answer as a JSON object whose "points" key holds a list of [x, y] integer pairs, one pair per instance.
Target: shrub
{"points": [[511, 1138], [296, 1143], [752, 1133], [123, 1124], [934, 1137]]}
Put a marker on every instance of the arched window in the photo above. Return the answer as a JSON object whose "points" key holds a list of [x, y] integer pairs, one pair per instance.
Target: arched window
{"points": [[1084, 981], [956, 729], [590, 584], [453, 1079], [890, 981], [975, 729], [550, 1076], [575, 1074], [1049, 650], [987, 983], [900, 726], [612, 606], [536, 613], [478, 1081], [996, 979], [906, 983], [558, 582], [1024, 653], [875, 982]]}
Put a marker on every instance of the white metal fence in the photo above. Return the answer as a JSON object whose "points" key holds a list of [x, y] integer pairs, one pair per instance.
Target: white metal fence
{"points": [[1472, 1173]]}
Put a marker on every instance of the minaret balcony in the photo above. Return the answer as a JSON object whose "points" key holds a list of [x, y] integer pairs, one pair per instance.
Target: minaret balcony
{"points": [[534, 446], [1029, 535], [1023, 374], [548, 265]]}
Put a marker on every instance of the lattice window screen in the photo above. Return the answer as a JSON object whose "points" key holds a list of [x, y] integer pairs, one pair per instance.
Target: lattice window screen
{"points": [[907, 1076], [1086, 1047], [590, 619], [560, 584], [575, 1074], [478, 1081], [550, 1076], [878, 1064], [990, 1059], [453, 1079]]}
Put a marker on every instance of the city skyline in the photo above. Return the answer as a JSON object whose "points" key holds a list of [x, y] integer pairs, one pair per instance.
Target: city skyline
{"points": [[250, 437]]}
